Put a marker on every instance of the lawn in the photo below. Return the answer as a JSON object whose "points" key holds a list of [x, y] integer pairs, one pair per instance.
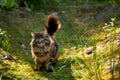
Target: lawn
{"points": [[75, 37]]}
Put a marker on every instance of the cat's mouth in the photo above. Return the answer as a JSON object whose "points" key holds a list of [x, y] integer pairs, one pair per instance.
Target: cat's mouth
{"points": [[36, 52]]}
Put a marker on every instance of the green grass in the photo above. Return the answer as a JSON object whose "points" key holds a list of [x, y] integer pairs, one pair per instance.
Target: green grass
{"points": [[74, 38]]}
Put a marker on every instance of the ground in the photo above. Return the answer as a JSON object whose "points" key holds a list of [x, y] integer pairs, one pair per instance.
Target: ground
{"points": [[89, 49]]}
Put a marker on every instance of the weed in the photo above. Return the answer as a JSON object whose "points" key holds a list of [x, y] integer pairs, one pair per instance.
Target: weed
{"points": [[4, 40], [57, 72], [74, 63], [1, 77]]}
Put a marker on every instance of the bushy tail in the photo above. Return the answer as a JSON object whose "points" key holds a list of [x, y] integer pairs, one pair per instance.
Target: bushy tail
{"points": [[52, 25]]}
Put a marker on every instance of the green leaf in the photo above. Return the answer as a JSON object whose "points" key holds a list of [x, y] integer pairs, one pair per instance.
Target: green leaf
{"points": [[113, 19], [3, 3], [10, 3]]}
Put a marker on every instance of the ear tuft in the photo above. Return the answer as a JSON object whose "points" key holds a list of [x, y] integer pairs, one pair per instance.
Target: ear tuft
{"points": [[59, 24], [32, 34]]}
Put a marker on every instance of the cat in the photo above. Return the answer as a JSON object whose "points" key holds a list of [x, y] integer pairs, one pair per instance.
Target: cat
{"points": [[44, 47]]}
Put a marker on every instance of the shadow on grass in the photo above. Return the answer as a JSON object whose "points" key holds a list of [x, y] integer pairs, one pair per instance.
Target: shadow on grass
{"points": [[5, 77], [115, 70], [115, 73], [62, 71]]}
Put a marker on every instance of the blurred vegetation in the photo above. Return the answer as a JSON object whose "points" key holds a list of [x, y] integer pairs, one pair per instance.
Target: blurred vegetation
{"points": [[32, 4], [4, 40], [46, 4], [75, 37]]}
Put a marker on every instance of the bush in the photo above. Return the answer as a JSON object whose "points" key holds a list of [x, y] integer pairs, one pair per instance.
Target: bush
{"points": [[32, 4], [7, 3], [4, 40], [41, 4]]}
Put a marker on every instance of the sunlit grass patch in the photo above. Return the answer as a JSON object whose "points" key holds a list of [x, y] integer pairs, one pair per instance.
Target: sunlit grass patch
{"points": [[74, 38], [96, 65], [19, 70]]}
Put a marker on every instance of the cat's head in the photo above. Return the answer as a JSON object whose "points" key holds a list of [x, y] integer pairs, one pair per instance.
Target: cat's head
{"points": [[40, 42]]}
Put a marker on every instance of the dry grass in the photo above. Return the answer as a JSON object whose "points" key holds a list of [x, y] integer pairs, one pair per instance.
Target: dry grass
{"points": [[74, 63]]}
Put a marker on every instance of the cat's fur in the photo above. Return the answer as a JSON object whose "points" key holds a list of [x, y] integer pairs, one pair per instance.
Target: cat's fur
{"points": [[44, 47]]}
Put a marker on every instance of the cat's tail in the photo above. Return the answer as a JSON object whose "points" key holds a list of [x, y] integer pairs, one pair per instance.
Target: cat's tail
{"points": [[52, 25]]}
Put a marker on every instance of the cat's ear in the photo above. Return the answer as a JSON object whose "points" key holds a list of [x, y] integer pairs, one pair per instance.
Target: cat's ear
{"points": [[32, 34]]}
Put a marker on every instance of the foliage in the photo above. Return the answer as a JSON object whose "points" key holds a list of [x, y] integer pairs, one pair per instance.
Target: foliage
{"points": [[1, 77], [74, 63], [41, 4], [46, 4], [4, 40], [32, 4], [78, 2], [7, 3]]}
